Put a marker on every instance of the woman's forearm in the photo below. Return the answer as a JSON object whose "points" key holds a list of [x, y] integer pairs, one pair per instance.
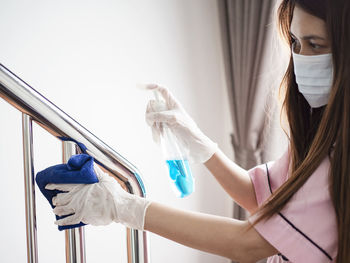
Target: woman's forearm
{"points": [[218, 235], [234, 179]]}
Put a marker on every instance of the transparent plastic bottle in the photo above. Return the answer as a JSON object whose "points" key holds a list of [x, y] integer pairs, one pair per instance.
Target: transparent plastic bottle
{"points": [[180, 175]]}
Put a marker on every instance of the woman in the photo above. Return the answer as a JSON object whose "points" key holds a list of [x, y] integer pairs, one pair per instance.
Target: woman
{"points": [[299, 203]]}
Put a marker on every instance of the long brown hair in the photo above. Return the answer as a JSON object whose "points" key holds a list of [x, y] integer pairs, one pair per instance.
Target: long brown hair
{"points": [[314, 134]]}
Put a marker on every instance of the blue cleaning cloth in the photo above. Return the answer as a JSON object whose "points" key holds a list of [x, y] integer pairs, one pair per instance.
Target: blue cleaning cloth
{"points": [[78, 170], [81, 145]]}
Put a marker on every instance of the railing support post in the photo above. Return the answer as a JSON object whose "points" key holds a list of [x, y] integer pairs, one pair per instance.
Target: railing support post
{"points": [[137, 246], [75, 238], [29, 186]]}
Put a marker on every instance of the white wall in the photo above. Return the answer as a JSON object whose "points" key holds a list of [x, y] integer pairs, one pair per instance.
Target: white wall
{"points": [[86, 57]]}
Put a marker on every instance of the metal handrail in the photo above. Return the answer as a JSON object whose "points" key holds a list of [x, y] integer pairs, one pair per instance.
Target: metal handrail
{"points": [[36, 107]]}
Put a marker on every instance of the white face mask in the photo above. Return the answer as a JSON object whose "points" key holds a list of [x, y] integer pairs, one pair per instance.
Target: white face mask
{"points": [[314, 76]]}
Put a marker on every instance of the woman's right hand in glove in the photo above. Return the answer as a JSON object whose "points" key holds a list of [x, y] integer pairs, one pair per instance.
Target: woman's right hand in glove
{"points": [[98, 204], [200, 147]]}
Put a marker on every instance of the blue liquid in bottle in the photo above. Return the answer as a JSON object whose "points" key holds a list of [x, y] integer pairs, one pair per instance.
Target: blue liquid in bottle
{"points": [[180, 174]]}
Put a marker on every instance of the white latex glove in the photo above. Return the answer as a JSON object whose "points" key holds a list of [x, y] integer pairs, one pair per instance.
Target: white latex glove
{"points": [[98, 204], [200, 147]]}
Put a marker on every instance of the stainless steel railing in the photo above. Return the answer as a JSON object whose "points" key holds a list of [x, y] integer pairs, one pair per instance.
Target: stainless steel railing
{"points": [[37, 108]]}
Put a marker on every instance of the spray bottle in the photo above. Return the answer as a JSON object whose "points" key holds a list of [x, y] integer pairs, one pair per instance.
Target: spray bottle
{"points": [[180, 175]]}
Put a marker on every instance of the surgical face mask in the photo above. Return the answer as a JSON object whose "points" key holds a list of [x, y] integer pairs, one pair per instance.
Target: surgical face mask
{"points": [[314, 76]]}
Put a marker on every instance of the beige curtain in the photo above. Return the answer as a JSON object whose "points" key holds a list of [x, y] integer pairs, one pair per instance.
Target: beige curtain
{"points": [[245, 27]]}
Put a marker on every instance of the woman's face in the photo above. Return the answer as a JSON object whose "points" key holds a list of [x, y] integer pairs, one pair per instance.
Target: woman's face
{"points": [[309, 34]]}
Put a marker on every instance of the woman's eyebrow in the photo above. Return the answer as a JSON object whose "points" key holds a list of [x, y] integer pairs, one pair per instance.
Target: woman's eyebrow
{"points": [[308, 37]]}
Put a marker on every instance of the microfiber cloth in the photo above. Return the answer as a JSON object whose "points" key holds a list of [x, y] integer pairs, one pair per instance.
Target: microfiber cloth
{"points": [[78, 170]]}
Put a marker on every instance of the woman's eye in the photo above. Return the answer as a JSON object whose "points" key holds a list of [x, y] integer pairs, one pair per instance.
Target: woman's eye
{"points": [[315, 46], [295, 41]]}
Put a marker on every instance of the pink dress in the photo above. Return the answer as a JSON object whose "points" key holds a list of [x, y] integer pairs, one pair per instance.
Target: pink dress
{"points": [[305, 231]]}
